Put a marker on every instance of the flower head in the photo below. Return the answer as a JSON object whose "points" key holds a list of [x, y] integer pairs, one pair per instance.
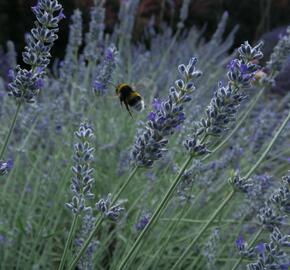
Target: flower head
{"points": [[165, 118], [82, 180], [26, 84]]}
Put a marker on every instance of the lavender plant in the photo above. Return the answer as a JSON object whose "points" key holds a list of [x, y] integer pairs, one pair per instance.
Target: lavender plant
{"points": [[272, 215], [226, 128]]}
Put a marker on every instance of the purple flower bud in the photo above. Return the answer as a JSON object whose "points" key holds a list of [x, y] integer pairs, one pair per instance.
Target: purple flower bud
{"points": [[157, 104], [240, 243], [39, 83], [152, 116]]}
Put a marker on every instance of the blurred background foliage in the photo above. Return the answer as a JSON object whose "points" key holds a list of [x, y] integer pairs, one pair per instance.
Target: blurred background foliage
{"points": [[255, 18]]}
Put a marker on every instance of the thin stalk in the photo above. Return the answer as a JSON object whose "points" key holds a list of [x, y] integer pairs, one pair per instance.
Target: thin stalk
{"points": [[200, 221], [100, 220], [156, 214], [196, 238], [254, 167], [126, 183], [10, 131], [270, 145], [68, 242], [250, 245], [87, 242]]}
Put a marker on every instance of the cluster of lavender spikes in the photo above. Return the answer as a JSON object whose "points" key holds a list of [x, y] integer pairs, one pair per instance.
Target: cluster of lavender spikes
{"points": [[165, 118], [275, 210], [272, 255], [271, 215], [224, 105], [82, 180], [26, 84], [100, 85]]}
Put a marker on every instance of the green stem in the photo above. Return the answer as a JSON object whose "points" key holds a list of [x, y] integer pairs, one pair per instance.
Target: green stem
{"points": [[100, 220], [250, 245], [127, 182], [270, 145], [68, 242], [86, 244], [10, 131], [196, 238], [155, 216]]}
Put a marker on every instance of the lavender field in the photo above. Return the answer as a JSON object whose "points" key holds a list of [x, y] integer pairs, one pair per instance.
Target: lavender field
{"points": [[197, 179]]}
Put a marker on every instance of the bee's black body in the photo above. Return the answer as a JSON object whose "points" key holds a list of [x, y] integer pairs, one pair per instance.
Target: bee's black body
{"points": [[129, 97]]}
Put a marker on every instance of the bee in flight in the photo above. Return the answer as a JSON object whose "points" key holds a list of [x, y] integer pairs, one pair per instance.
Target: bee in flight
{"points": [[130, 97]]}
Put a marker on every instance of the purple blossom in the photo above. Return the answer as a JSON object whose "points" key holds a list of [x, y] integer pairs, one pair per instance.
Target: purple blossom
{"points": [[99, 86], [152, 116], [240, 242], [260, 248], [166, 116], [11, 74], [39, 83], [143, 221], [156, 104], [6, 167], [26, 84], [61, 15], [105, 73]]}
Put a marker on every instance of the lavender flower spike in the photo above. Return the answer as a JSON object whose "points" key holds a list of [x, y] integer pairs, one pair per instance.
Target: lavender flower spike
{"points": [[224, 106], [26, 84], [166, 116], [82, 180], [100, 85]]}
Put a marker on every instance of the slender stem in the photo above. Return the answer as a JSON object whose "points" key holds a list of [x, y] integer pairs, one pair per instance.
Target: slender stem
{"points": [[10, 131], [68, 242], [155, 216], [86, 244], [201, 221], [270, 145], [196, 238], [100, 220], [126, 183], [250, 245]]}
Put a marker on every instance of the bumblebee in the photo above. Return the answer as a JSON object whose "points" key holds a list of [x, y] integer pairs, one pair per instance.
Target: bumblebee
{"points": [[130, 97]]}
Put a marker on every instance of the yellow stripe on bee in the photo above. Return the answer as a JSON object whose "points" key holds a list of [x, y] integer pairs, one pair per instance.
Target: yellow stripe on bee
{"points": [[135, 94]]}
